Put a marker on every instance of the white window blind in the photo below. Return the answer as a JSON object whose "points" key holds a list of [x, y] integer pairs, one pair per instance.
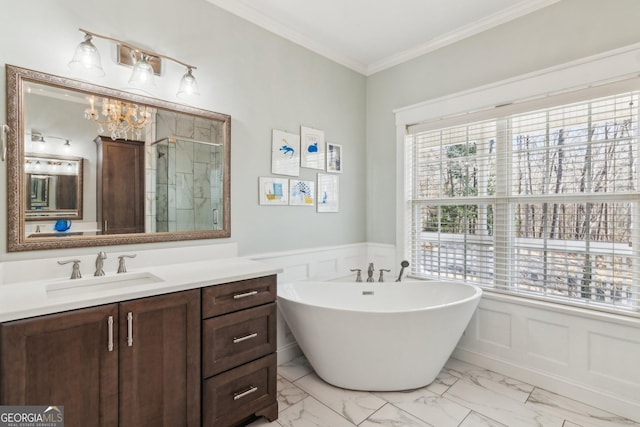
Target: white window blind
{"points": [[542, 203]]}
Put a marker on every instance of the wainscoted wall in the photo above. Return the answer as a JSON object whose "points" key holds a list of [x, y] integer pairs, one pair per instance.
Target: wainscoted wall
{"points": [[590, 356]]}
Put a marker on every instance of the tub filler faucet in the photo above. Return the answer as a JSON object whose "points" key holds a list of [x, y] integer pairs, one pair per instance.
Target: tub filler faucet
{"points": [[370, 271]]}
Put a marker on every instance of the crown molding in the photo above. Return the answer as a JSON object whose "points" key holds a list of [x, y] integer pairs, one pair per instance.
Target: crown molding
{"points": [[516, 11], [254, 16]]}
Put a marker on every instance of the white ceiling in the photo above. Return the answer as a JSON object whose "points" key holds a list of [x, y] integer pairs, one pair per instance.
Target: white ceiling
{"points": [[371, 35]]}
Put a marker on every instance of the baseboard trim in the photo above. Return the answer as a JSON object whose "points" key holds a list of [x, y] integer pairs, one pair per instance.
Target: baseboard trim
{"points": [[288, 352], [580, 392]]}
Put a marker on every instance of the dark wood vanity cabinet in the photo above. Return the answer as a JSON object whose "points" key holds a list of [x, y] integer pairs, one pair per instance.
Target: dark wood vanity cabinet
{"points": [[120, 186], [160, 361], [238, 352], [202, 357], [132, 364], [63, 359]]}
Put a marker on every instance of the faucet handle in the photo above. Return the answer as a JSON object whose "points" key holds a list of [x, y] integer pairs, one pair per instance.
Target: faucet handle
{"points": [[121, 267], [75, 270], [358, 275], [381, 278]]}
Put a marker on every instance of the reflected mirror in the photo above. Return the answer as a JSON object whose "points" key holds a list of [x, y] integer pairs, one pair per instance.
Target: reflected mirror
{"points": [[53, 187], [122, 168]]}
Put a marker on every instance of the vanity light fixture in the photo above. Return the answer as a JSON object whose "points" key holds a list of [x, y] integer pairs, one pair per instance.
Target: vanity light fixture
{"points": [[38, 140], [145, 64]]}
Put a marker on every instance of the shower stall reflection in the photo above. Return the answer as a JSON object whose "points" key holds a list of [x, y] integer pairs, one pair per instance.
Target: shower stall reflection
{"points": [[188, 185]]}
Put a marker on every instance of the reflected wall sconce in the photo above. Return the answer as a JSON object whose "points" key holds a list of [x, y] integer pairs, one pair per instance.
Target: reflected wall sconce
{"points": [[145, 63], [38, 140]]}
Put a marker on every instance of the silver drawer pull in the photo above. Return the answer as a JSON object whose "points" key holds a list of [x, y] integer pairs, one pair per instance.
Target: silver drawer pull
{"points": [[110, 343], [130, 329], [244, 338], [242, 394], [246, 294]]}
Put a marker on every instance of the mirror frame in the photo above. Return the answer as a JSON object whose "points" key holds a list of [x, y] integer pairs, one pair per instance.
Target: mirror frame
{"points": [[16, 238]]}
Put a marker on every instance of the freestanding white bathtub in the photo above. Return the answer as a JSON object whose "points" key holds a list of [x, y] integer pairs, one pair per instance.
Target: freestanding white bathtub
{"points": [[377, 336]]}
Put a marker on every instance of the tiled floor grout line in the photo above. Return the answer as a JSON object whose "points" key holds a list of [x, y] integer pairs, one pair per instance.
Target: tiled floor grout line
{"points": [[322, 403]]}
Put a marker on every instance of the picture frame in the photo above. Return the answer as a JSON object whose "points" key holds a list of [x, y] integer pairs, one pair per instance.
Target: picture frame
{"points": [[273, 191], [302, 193], [312, 148], [328, 198], [334, 157], [285, 153]]}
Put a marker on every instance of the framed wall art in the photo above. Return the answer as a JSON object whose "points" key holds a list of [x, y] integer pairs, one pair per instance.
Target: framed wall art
{"points": [[302, 193], [273, 191], [285, 153], [334, 157], [328, 199], [312, 148]]}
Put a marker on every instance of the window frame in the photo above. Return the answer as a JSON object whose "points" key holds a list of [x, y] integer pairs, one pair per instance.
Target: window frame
{"points": [[589, 78]]}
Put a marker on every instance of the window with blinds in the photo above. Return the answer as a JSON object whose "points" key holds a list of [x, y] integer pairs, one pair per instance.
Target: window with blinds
{"points": [[542, 203]]}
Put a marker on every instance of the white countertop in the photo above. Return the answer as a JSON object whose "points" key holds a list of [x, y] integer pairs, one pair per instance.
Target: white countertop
{"points": [[28, 299]]}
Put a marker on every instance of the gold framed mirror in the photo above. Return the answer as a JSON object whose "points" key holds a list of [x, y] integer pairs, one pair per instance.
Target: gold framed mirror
{"points": [[150, 170]]}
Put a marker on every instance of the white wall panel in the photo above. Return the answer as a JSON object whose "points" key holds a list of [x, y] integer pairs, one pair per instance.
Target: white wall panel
{"points": [[493, 328], [548, 342]]}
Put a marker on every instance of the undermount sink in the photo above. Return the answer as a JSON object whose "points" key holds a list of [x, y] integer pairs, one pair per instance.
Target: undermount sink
{"points": [[101, 283]]}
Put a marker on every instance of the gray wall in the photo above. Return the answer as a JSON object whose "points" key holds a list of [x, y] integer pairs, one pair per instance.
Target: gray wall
{"points": [[266, 82], [260, 79], [565, 31]]}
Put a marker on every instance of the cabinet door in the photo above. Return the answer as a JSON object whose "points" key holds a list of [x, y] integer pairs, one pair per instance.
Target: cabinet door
{"points": [[121, 186], [160, 361], [63, 359]]}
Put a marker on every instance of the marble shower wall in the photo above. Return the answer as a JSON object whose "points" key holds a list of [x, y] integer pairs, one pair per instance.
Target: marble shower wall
{"points": [[189, 175]]}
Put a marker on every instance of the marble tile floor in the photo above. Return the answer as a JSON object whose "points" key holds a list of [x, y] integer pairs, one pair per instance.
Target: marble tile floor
{"points": [[463, 395]]}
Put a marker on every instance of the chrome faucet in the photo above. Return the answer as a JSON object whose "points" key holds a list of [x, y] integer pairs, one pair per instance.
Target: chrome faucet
{"points": [[75, 271], [381, 278], [100, 263]]}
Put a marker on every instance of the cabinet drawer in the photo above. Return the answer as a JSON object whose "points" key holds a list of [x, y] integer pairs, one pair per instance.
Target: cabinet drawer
{"points": [[237, 338], [239, 393], [230, 297]]}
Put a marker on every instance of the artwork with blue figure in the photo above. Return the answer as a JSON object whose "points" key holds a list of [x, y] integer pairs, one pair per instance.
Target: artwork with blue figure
{"points": [[285, 153], [286, 149], [313, 148], [328, 193]]}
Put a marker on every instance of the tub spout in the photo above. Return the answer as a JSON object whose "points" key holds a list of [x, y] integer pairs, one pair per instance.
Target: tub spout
{"points": [[404, 264]]}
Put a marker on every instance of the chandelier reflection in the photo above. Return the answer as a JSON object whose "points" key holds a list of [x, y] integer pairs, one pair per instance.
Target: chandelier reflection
{"points": [[123, 120]]}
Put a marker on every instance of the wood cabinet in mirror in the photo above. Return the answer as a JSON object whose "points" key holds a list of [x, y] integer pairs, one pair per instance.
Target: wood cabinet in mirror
{"points": [[183, 176]]}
